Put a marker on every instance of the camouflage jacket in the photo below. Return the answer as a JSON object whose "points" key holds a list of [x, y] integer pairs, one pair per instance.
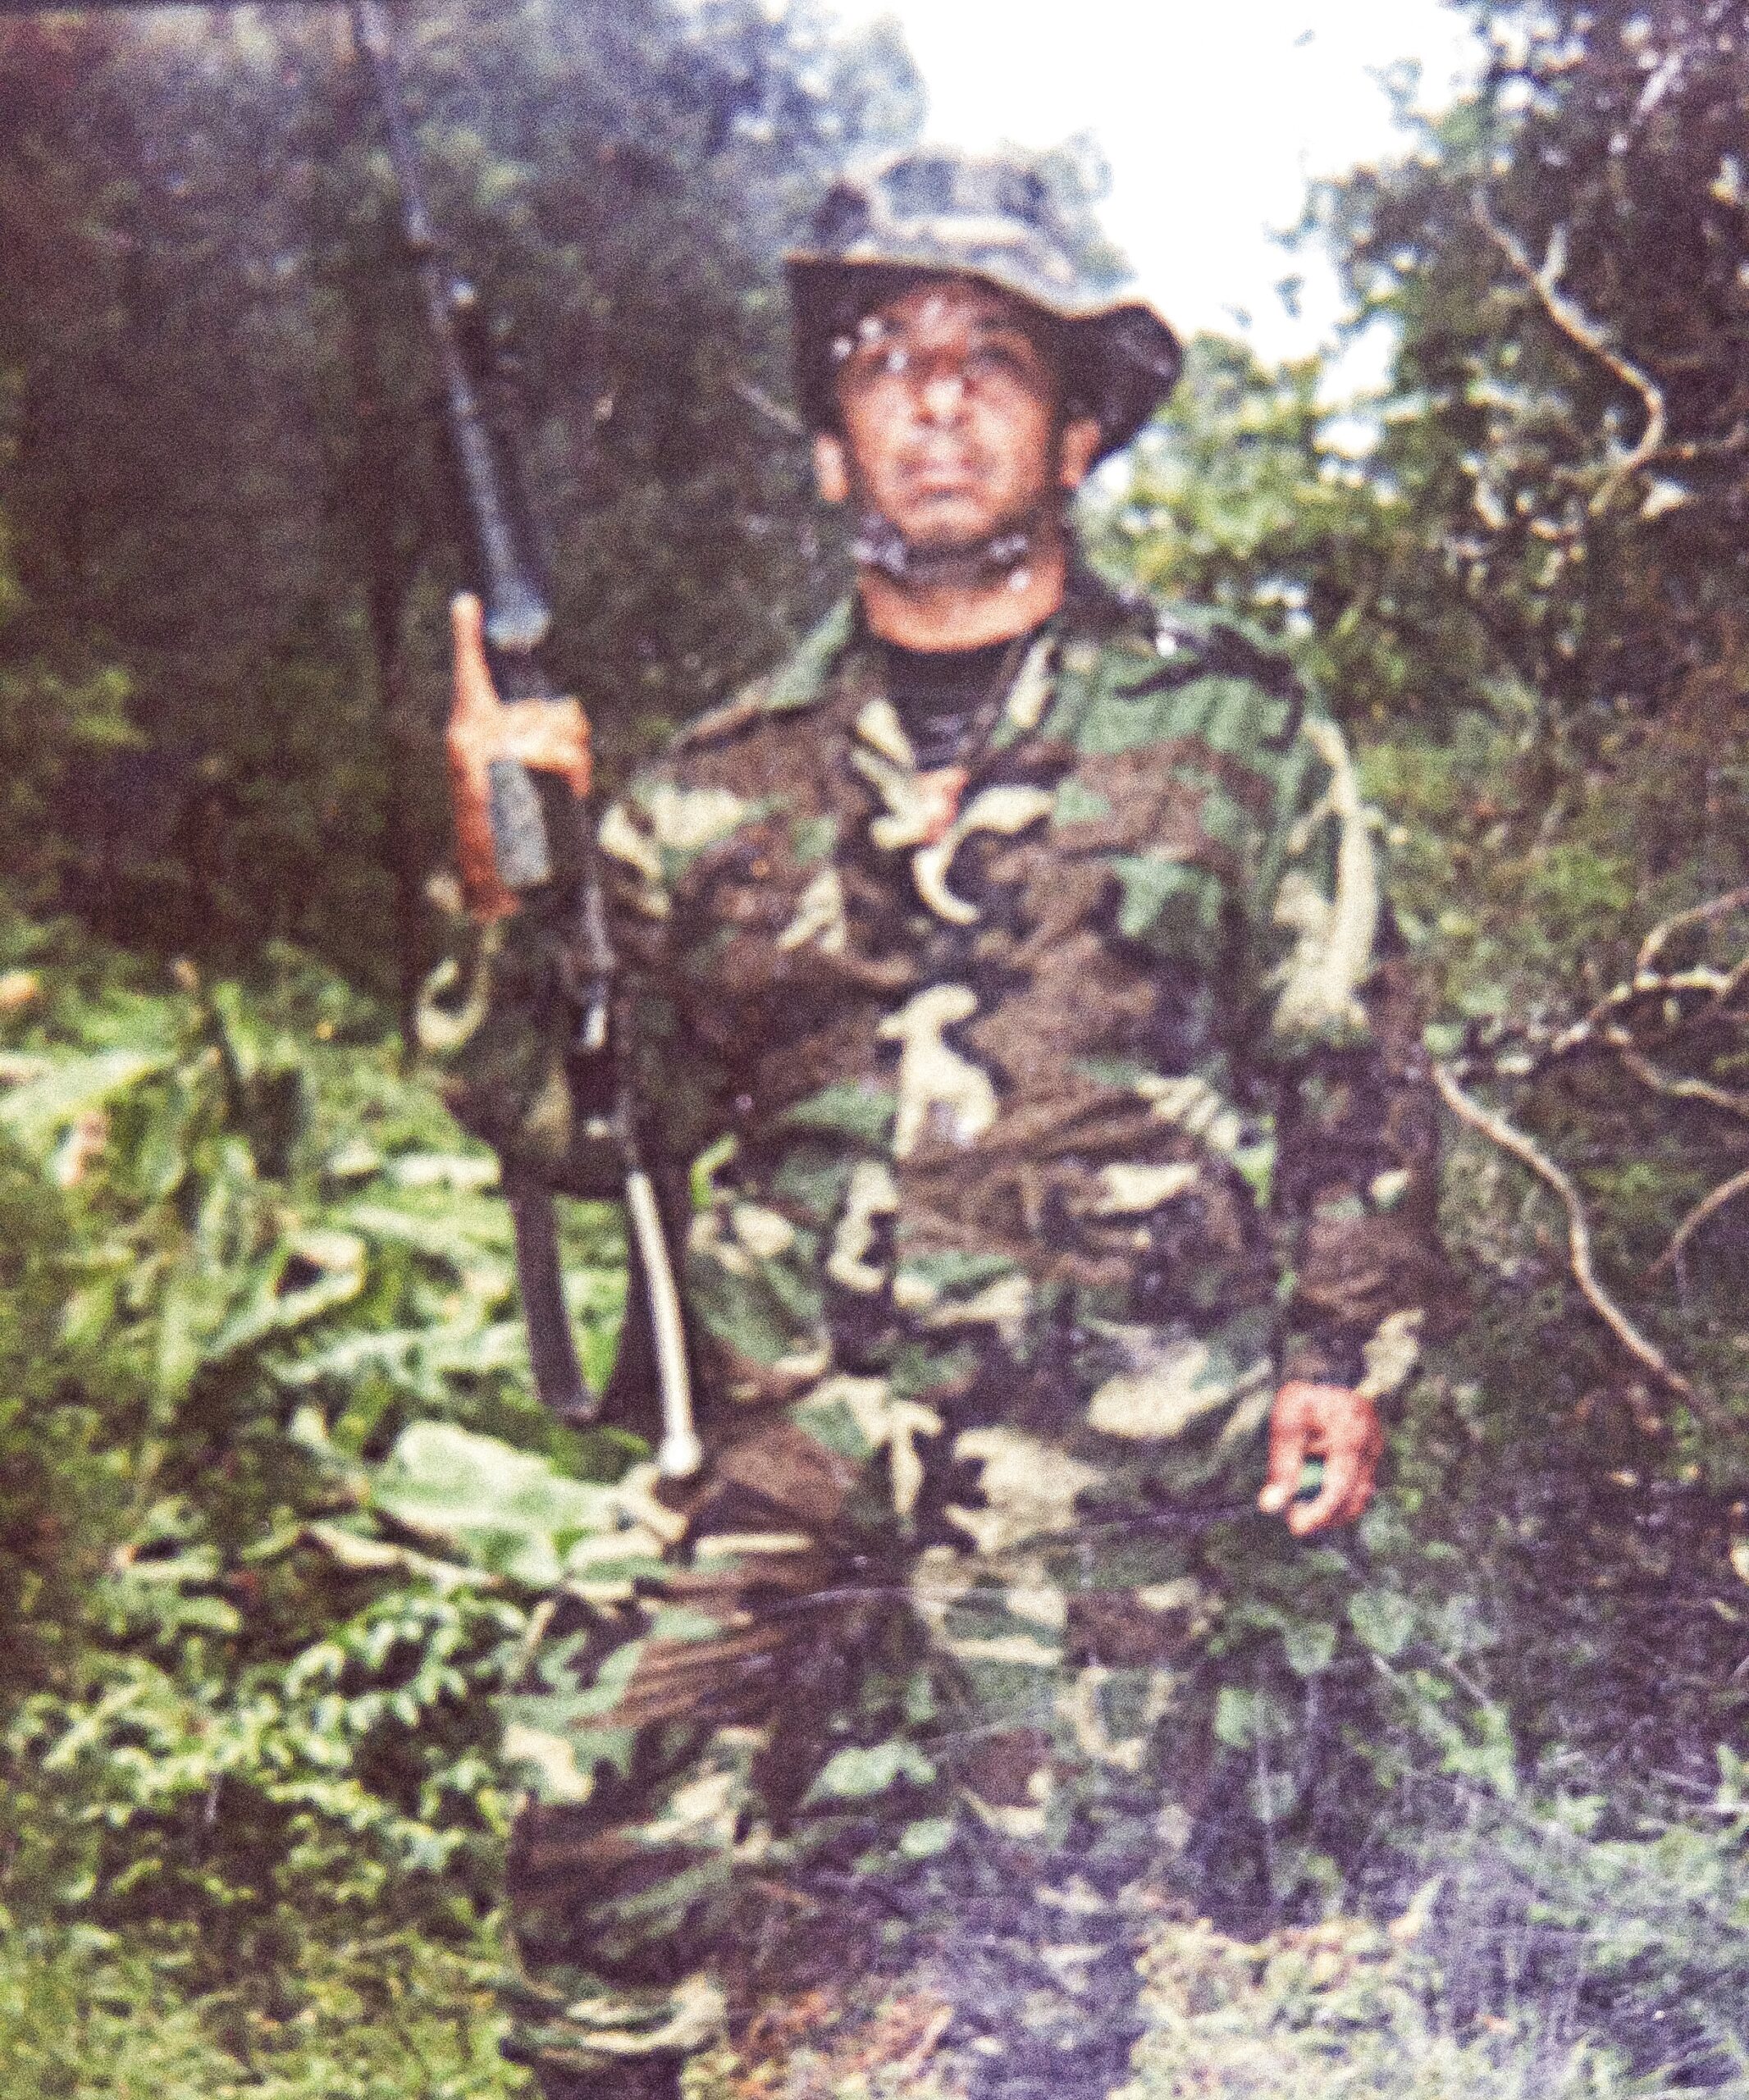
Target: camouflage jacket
{"points": [[1089, 1069]]}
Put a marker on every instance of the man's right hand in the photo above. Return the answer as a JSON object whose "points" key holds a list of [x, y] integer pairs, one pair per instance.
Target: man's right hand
{"points": [[548, 736], [1333, 1423]]}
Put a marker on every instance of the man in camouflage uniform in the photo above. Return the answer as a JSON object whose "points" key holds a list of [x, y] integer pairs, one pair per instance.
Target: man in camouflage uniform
{"points": [[1008, 958]]}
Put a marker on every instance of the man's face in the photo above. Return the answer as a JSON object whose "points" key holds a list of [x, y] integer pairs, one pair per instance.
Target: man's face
{"points": [[951, 417]]}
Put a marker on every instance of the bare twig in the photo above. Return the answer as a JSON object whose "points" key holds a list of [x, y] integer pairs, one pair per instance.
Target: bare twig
{"points": [[1656, 942], [1726, 1192], [1577, 326], [1510, 1138], [912, 2062], [1605, 1024], [1635, 1061], [1708, 448], [1719, 986], [762, 404]]}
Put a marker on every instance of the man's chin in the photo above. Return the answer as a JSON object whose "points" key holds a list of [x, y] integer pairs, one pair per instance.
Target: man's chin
{"points": [[937, 531], [947, 546], [923, 544]]}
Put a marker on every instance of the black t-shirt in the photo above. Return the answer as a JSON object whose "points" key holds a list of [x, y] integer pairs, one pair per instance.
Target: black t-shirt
{"points": [[940, 693]]}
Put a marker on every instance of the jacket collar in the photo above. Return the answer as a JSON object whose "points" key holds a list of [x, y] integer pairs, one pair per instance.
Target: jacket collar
{"points": [[1090, 611]]}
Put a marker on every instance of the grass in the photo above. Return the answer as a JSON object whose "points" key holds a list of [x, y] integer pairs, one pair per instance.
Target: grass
{"points": [[1344, 2010], [84, 2015]]}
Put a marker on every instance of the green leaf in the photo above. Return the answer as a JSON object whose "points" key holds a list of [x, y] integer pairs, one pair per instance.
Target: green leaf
{"points": [[1489, 1755], [1236, 1717], [1384, 1620], [354, 1551], [505, 1510], [855, 1775], [1309, 1647], [338, 1258], [845, 1109], [36, 1112], [924, 1839]]}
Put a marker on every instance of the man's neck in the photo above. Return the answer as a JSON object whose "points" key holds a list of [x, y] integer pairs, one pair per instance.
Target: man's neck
{"points": [[966, 615]]}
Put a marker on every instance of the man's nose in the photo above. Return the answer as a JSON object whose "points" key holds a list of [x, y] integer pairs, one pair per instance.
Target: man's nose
{"points": [[941, 395]]}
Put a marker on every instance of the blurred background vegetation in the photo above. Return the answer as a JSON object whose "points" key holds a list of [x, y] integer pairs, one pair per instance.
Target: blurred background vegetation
{"points": [[276, 1506]]}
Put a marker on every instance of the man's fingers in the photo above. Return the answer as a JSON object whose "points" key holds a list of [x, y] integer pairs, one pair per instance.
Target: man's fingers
{"points": [[1312, 1516], [1366, 1478], [1290, 1428], [471, 742], [1349, 1434], [468, 625], [1342, 1476], [474, 692], [1329, 1423], [552, 735]]}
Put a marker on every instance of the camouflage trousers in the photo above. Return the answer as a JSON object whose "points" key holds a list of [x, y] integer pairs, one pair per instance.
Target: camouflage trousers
{"points": [[776, 1708]]}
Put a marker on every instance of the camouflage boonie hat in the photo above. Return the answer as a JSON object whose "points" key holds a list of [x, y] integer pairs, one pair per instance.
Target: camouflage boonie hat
{"points": [[1001, 220]]}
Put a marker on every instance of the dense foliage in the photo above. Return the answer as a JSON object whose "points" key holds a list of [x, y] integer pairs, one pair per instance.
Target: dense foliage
{"points": [[223, 476], [1517, 573], [276, 1506]]}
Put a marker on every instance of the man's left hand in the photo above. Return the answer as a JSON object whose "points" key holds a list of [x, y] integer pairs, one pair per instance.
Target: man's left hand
{"points": [[1321, 1422]]}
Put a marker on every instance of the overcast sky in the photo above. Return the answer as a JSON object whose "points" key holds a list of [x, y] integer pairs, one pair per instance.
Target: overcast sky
{"points": [[1213, 114]]}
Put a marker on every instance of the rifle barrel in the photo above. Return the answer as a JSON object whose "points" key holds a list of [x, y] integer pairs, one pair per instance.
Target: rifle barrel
{"points": [[519, 618]]}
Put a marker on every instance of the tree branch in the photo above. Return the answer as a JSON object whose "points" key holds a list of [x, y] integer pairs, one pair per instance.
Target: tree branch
{"points": [[1578, 327], [1726, 1192], [1647, 982], [1635, 1061], [1698, 914], [1510, 1138], [762, 404]]}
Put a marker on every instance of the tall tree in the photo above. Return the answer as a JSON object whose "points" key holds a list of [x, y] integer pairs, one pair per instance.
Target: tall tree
{"points": [[1520, 574], [220, 462]]}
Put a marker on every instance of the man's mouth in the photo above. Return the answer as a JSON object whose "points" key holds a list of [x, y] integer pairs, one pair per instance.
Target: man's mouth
{"points": [[949, 475]]}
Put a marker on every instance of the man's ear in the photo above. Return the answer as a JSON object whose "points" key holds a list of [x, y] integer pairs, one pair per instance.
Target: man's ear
{"points": [[831, 470], [1075, 453]]}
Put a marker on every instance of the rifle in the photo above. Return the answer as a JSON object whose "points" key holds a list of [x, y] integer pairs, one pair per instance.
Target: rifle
{"points": [[542, 834]]}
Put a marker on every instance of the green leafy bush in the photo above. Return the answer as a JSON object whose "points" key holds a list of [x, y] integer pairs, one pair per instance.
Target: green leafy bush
{"points": [[251, 1272]]}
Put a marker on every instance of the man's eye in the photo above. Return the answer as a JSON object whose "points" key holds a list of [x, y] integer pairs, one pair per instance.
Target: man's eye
{"points": [[1000, 360], [878, 360]]}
